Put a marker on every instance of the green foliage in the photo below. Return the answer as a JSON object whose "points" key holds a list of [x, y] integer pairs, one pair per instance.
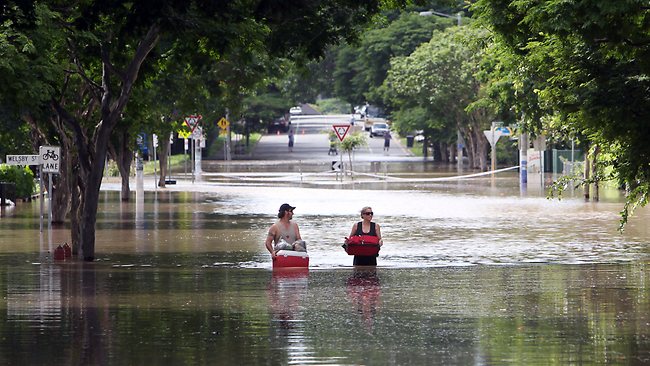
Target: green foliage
{"points": [[587, 62], [23, 178], [351, 142], [432, 88], [361, 69], [333, 106], [354, 141]]}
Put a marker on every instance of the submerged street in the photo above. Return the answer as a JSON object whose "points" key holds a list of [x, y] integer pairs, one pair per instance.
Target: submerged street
{"points": [[473, 271]]}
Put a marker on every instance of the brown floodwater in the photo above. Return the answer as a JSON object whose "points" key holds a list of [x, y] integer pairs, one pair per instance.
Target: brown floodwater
{"points": [[473, 272]]}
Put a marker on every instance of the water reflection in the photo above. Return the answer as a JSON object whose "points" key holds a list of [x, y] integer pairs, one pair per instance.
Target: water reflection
{"points": [[287, 293], [364, 292]]}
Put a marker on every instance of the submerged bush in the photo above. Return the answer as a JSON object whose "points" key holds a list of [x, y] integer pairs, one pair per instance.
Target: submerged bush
{"points": [[23, 178]]}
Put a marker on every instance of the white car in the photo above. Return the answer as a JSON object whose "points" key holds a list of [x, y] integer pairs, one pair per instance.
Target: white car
{"points": [[378, 129]]}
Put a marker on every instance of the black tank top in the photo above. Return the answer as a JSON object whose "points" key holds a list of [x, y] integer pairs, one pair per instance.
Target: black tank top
{"points": [[372, 232]]}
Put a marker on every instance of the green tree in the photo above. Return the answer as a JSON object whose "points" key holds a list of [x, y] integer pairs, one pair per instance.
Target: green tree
{"points": [[351, 142], [435, 86], [589, 61], [361, 68], [107, 47]]}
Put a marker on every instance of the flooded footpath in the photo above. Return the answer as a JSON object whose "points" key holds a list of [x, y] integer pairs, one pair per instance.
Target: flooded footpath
{"points": [[472, 272]]}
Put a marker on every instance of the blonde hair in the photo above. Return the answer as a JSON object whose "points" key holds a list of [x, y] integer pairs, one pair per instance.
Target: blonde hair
{"points": [[365, 208]]}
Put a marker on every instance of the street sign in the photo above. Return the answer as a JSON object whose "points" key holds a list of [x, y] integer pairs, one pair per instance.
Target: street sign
{"points": [[197, 133], [184, 133], [223, 123], [336, 166], [492, 136], [50, 158], [341, 131], [505, 131], [23, 160], [193, 121]]}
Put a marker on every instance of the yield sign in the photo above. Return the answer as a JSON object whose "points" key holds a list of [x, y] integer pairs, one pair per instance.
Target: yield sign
{"points": [[341, 131], [192, 121], [493, 136]]}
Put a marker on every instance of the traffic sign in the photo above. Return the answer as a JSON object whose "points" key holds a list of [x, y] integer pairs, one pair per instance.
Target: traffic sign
{"points": [[193, 121], [223, 123], [184, 133], [505, 131], [197, 133], [492, 136], [341, 131], [50, 158], [23, 160], [336, 166]]}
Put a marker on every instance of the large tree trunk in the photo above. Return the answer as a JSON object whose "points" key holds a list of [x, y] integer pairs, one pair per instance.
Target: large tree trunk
{"points": [[90, 201], [75, 212]]}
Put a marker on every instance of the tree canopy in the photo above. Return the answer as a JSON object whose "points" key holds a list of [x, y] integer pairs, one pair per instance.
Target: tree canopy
{"points": [[79, 63], [588, 64]]}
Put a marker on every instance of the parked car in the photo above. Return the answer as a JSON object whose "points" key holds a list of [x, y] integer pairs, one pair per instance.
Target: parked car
{"points": [[378, 129]]}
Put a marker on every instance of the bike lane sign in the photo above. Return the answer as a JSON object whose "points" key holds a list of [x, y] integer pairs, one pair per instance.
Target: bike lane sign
{"points": [[50, 158]]}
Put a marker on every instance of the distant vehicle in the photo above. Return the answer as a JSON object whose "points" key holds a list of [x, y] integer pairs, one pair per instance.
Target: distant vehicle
{"points": [[278, 125], [369, 121], [378, 129], [295, 110]]}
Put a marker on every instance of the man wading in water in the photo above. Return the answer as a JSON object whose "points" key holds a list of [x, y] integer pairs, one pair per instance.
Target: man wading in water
{"points": [[284, 234]]}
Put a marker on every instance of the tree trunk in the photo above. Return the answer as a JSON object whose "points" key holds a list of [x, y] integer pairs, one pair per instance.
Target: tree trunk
{"points": [[92, 144], [425, 147], [481, 149], [90, 201], [444, 152], [587, 170], [122, 154], [594, 172], [469, 146], [164, 145], [75, 212]]}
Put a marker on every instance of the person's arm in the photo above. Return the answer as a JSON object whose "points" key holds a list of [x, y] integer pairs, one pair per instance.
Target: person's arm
{"points": [[378, 231], [269, 240], [298, 237], [354, 231]]}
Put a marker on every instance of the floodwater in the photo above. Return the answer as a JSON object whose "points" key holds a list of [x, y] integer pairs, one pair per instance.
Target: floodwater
{"points": [[472, 272]]}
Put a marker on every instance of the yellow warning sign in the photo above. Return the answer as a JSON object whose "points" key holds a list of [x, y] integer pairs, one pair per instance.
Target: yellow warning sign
{"points": [[183, 133], [223, 123]]}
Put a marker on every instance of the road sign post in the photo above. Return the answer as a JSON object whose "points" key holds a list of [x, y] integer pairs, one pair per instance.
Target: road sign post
{"points": [[50, 161], [493, 136]]}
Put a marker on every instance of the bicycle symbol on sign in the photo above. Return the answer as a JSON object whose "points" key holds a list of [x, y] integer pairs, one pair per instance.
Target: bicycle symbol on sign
{"points": [[50, 154]]}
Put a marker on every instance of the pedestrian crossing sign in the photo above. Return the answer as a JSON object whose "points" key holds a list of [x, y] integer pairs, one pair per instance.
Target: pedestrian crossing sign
{"points": [[341, 131]]}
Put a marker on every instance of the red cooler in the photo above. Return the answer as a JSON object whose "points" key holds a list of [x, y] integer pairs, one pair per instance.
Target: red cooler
{"points": [[290, 258], [362, 249]]}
